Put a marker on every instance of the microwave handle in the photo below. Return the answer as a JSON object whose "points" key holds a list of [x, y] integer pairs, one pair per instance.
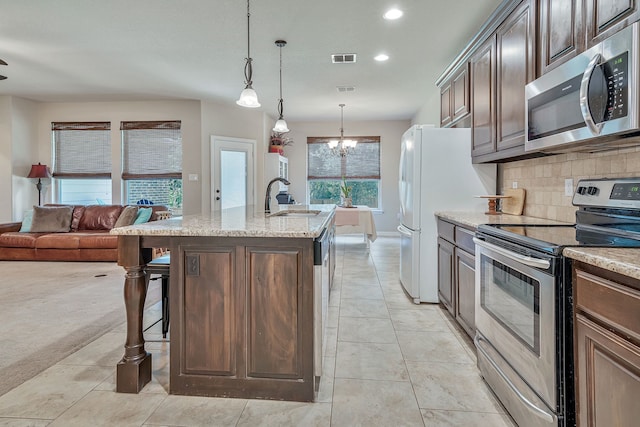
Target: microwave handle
{"points": [[594, 127]]}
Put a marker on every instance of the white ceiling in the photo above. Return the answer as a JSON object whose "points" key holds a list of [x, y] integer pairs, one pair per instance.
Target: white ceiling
{"points": [[120, 50]]}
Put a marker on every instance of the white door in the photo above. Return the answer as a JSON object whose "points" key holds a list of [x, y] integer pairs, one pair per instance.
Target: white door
{"points": [[232, 172]]}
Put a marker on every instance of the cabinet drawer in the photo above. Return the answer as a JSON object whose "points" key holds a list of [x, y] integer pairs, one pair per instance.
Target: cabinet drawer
{"points": [[609, 301], [464, 239], [446, 230]]}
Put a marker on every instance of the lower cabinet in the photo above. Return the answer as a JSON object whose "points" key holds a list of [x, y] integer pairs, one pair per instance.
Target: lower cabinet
{"points": [[607, 348], [244, 318], [456, 273]]}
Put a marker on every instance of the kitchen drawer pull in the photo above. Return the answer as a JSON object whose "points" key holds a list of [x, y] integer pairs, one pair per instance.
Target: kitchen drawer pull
{"points": [[531, 262]]}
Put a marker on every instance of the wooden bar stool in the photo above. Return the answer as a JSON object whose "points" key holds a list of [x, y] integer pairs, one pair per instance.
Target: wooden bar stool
{"points": [[160, 266]]}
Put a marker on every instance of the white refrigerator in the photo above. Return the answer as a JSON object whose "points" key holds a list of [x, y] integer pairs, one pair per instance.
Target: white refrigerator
{"points": [[436, 174]]}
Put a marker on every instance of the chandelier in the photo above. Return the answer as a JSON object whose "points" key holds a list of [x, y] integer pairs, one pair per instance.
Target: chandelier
{"points": [[281, 124], [248, 97], [343, 147]]}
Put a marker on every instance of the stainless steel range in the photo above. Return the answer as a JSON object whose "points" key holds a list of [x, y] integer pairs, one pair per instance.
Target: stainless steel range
{"points": [[524, 302]]}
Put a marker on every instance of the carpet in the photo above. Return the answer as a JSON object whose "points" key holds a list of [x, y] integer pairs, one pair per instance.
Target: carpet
{"points": [[49, 310]]}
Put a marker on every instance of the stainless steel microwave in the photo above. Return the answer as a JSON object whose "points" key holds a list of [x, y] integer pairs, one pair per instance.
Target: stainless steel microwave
{"points": [[589, 103]]}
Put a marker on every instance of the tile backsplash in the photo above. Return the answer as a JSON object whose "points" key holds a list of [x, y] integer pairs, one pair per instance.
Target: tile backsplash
{"points": [[544, 178]]}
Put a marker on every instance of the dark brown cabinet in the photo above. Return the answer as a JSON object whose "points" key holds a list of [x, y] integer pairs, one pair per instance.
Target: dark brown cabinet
{"points": [[483, 115], [454, 97], [446, 291], [569, 27], [561, 35], [607, 347], [244, 318], [456, 273], [606, 17], [500, 69], [515, 68]]}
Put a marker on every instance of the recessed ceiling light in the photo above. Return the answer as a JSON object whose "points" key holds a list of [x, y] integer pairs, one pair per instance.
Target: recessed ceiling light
{"points": [[392, 14], [381, 57]]}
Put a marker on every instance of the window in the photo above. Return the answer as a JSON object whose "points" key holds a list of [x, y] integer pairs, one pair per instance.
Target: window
{"points": [[152, 163], [361, 170], [82, 162]]}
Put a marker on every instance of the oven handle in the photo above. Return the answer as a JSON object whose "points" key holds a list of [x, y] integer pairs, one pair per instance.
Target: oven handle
{"points": [[532, 407], [526, 260]]}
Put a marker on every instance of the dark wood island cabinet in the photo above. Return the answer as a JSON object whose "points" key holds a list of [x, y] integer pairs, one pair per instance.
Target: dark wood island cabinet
{"points": [[242, 301]]}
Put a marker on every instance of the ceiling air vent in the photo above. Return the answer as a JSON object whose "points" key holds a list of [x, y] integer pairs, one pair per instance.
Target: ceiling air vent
{"points": [[343, 58], [343, 89]]}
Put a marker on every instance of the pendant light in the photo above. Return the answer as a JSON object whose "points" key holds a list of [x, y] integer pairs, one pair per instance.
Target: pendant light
{"points": [[281, 124], [248, 97], [343, 147]]}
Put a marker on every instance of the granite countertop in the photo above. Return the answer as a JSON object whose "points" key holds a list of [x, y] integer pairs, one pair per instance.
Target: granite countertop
{"points": [[620, 260], [246, 221], [474, 219]]}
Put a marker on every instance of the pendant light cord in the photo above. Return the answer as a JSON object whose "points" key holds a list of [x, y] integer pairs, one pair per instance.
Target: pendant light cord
{"points": [[248, 69], [280, 103]]}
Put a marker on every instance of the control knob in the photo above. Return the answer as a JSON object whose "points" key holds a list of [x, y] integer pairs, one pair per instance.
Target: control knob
{"points": [[592, 190], [581, 190]]}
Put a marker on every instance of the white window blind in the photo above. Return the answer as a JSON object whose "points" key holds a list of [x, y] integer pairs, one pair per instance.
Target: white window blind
{"points": [[151, 149], [82, 149], [363, 163]]}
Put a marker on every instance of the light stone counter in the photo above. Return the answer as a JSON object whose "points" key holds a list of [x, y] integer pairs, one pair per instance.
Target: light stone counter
{"points": [[474, 219], [239, 222], [619, 260]]}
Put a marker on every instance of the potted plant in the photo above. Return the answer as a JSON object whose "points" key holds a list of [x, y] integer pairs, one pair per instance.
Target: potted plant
{"points": [[345, 191], [278, 141]]}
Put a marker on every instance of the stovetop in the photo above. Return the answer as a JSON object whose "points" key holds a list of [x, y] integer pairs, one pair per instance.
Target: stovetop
{"points": [[608, 216]]}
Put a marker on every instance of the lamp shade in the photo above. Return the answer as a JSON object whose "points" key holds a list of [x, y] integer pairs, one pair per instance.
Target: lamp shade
{"points": [[248, 98], [281, 126], [39, 171]]}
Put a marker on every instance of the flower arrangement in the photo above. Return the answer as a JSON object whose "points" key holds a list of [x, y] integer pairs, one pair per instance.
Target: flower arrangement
{"points": [[278, 141], [346, 194]]}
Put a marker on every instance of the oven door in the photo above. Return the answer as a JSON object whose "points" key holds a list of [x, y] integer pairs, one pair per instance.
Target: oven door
{"points": [[516, 317]]}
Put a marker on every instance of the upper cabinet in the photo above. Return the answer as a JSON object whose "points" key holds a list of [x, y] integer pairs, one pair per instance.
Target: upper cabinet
{"points": [[454, 97], [500, 69], [569, 27], [561, 34]]}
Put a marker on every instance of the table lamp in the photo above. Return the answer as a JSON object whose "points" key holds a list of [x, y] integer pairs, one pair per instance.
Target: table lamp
{"points": [[39, 171]]}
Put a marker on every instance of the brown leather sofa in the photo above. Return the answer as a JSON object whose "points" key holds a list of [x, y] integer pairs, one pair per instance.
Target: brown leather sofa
{"points": [[87, 240]]}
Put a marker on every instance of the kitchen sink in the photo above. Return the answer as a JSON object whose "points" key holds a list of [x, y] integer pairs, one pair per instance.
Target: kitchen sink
{"points": [[295, 213]]}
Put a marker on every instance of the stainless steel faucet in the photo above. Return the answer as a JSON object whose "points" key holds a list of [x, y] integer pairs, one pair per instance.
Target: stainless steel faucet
{"points": [[267, 196]]}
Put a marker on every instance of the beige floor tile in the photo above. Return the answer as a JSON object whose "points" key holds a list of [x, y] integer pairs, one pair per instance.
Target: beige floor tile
{"points": [[434, 418], [52, 392], [426, 318], [332, 341], [370, 361], [105, 351], [285, 414], [333, 313], [366, 329], [362, 292], [432, 346], [451, 386], [159, 383], [17, 422], [374, 403], [102, 408], [364, 308], [197, 411]]}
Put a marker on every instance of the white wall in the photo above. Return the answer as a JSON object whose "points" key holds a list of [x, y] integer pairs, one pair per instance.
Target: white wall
{"points": [[231, 121], [24, 137], [429, 113], [6, 153], [390, 133]]}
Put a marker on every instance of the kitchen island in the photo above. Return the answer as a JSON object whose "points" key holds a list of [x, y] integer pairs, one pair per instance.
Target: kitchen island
{"points": [[242, 301]]}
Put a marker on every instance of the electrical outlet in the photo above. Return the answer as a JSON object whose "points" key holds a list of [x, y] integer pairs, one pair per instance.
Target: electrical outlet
{"points": [[514, 184], [568, 187]]}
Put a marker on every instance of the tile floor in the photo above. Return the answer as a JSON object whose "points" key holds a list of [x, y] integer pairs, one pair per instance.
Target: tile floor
{"points": [[388, 362]]}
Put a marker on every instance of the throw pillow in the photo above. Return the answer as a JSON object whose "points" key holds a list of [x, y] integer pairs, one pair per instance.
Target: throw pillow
{"points": [[26, 221], [144, 214], [51, 219], [127, 216]]}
